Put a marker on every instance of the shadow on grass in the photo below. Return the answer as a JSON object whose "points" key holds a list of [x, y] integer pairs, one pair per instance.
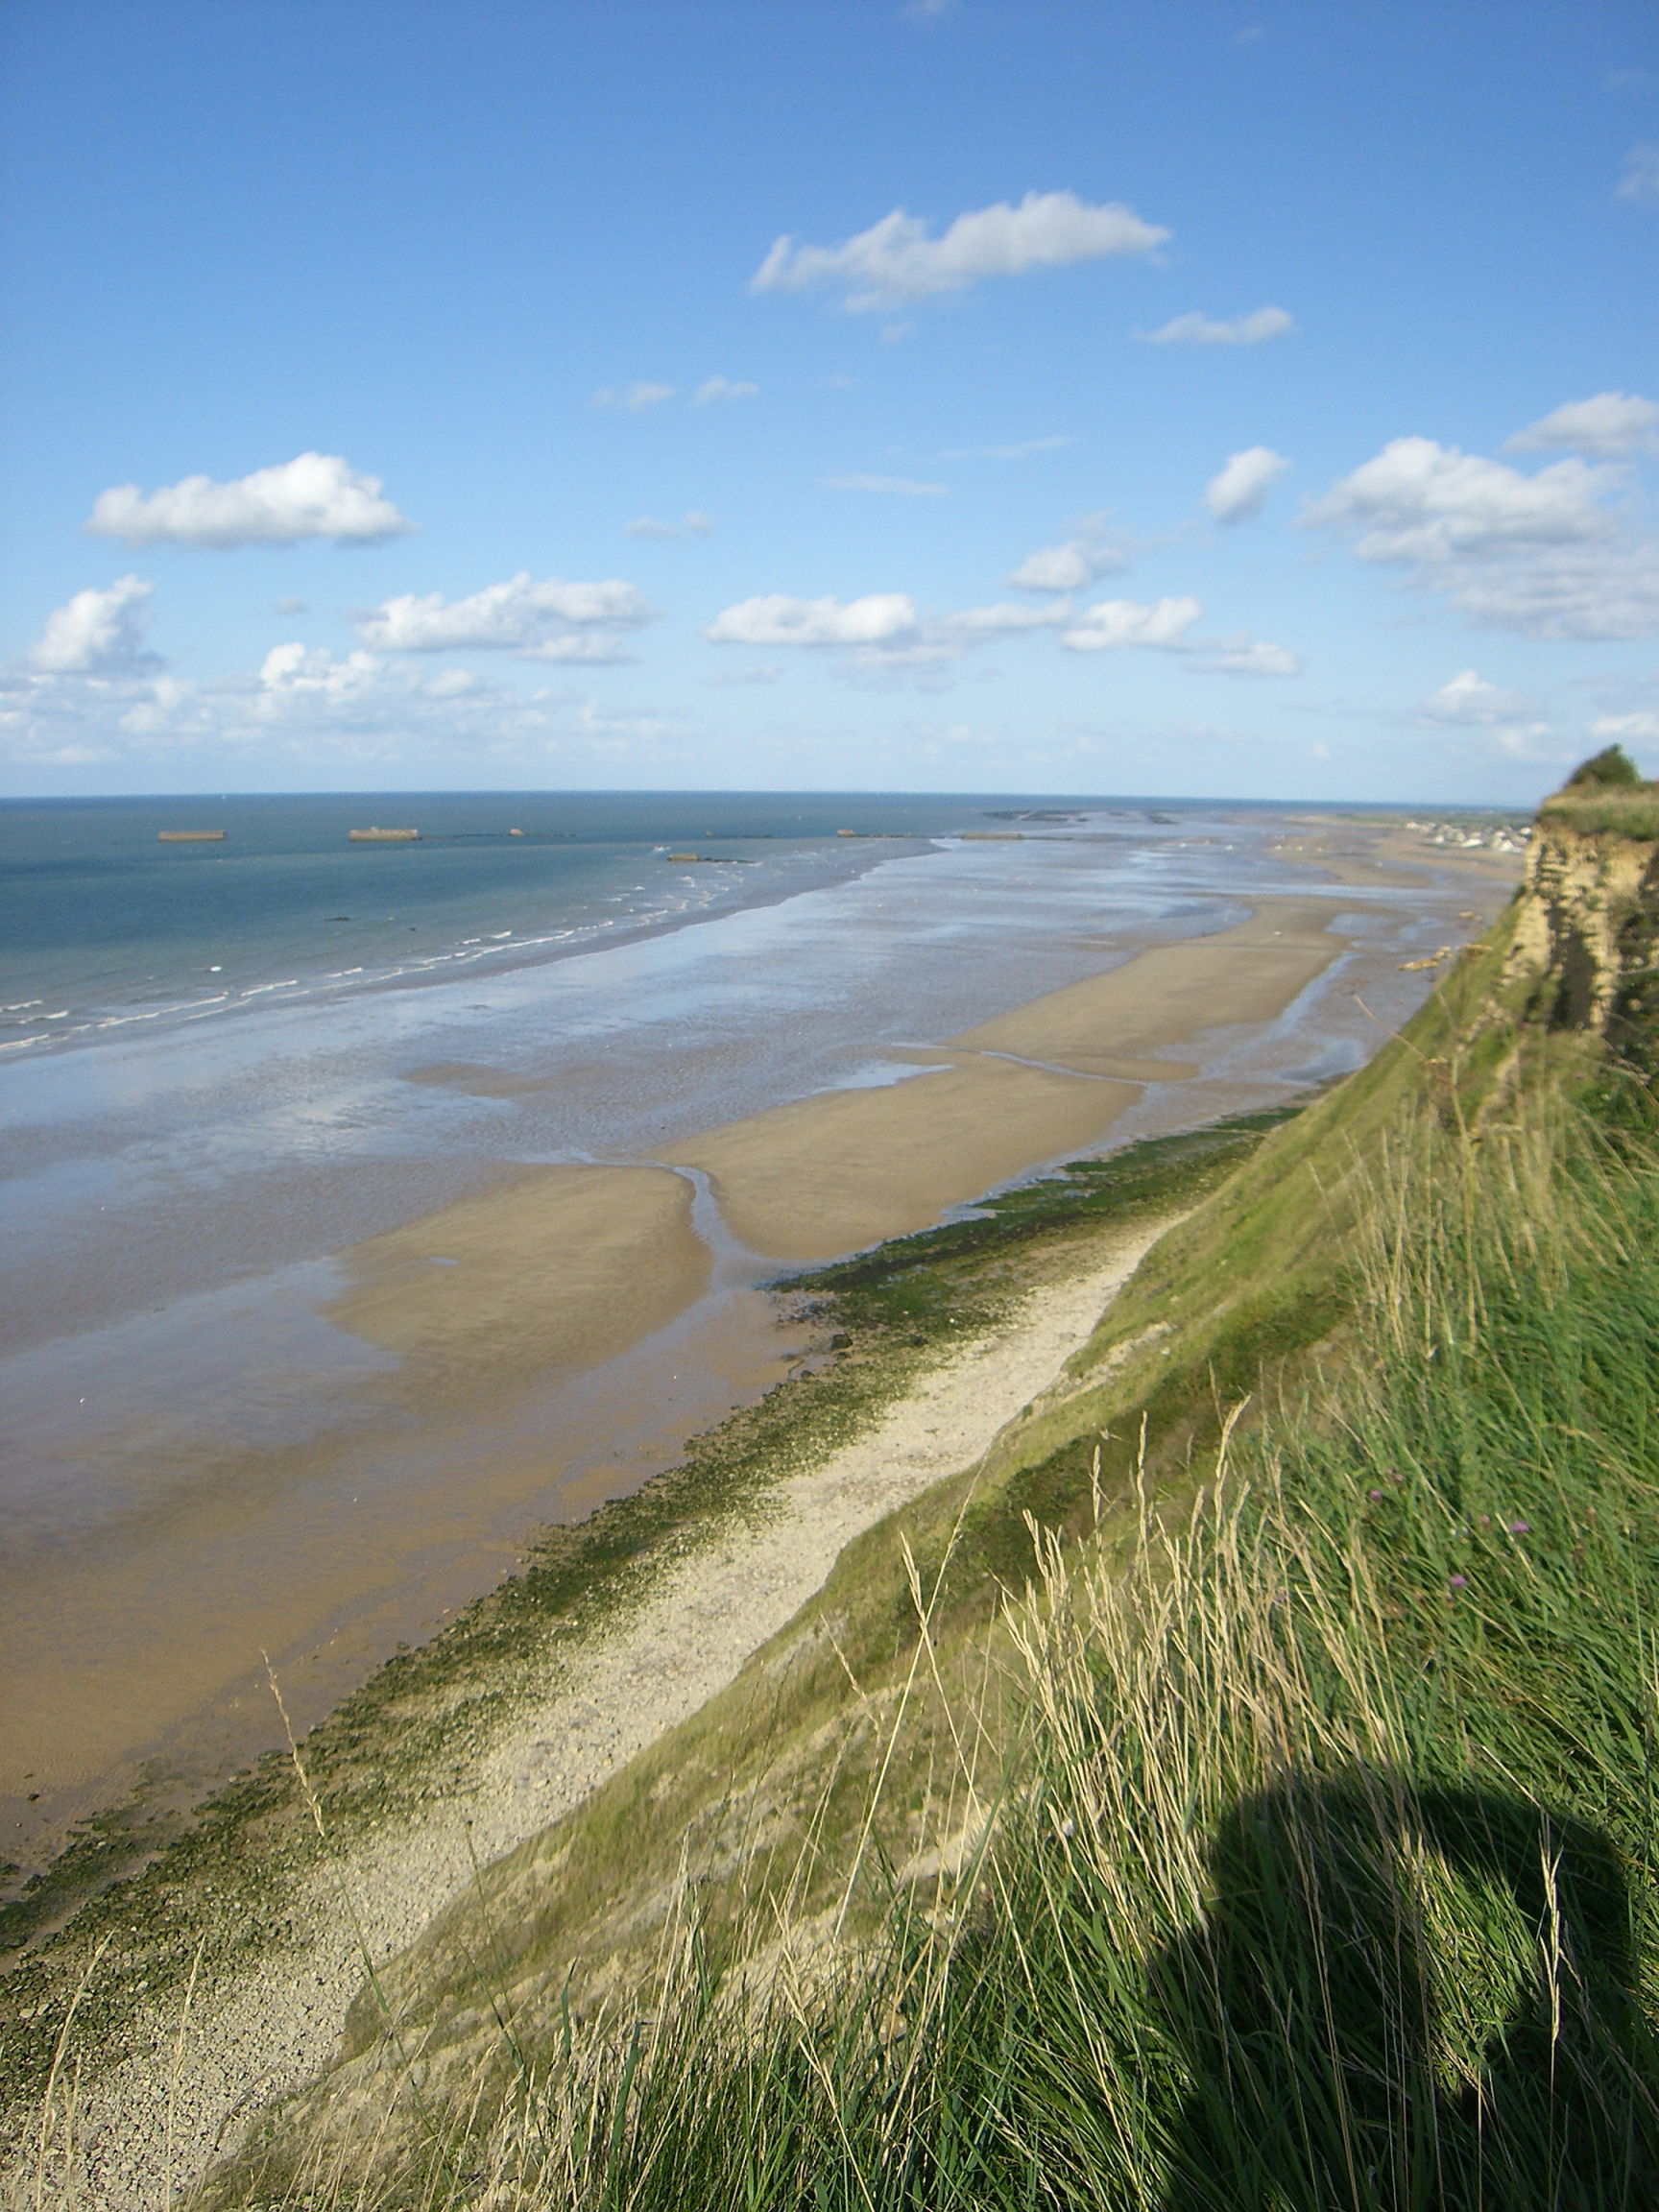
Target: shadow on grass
{"points": [[1410, 2000]]}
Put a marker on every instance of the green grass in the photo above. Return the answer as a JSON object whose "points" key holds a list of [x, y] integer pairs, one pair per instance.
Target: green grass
{"points": [[1312, 1864], [1606, 812]]}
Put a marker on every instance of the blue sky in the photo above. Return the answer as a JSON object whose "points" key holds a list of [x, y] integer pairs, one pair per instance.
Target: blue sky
{"points": [[1190, 399]]}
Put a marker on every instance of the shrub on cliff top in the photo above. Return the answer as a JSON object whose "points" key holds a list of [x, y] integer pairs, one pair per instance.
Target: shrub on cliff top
{"points": [[1610, 770]]}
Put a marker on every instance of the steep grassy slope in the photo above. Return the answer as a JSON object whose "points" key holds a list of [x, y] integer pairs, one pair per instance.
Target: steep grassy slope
{"points": [[1322, 1871]]}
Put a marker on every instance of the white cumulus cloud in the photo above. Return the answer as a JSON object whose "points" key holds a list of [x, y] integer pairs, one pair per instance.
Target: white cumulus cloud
{"points": [[1610, 424], [774, 618], [1090, 551], [1542, 554], [1116, 623], [1640, 182], [882, 631], [717, 387], [896, 261], [1195, 329], [1417, 501], [97, 632], [314, 495], [1240, 489], [306, 704], [550, 621], [635, 398]]}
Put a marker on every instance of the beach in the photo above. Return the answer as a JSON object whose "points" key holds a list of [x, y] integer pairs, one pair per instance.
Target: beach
{"points": [[324, 1456], [523, 1350]]}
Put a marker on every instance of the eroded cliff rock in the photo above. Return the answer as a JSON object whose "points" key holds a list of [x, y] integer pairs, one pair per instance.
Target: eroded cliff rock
{"points": [[1586, 931]]}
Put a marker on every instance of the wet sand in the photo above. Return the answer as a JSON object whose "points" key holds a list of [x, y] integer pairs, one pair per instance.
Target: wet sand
{"points": [[147, 2126], [558, 1268], [539, 1345], [1128, 1021], [831, 1174], [146, 1644], [827, 1175]]}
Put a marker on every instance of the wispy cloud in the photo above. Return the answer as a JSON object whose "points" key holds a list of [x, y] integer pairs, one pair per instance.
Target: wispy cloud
{"points": [[1090, 551], [691, 524], [1545, 555], [313, 495], [1638, 729], [1610, 425], [903, 486], [1640, 182], [1241, 655], [1020, 451], [896, 261], [713, 389], [1467, 701], [760, 672], [635, 398], [1252, 329]]}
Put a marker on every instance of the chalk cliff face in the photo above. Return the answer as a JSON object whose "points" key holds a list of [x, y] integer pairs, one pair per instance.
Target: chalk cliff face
{"points": [[1587, 931]]}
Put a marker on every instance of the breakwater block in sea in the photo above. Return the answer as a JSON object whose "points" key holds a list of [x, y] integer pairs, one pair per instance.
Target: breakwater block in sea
{"points": [[190, 836], [376, 835]]}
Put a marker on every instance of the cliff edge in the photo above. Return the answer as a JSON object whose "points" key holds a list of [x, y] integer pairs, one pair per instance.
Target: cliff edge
{"points": [[1586, 935]]}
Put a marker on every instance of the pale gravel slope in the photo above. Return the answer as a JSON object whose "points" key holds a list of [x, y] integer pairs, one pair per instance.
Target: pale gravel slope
{"points": [[269, 2031]]}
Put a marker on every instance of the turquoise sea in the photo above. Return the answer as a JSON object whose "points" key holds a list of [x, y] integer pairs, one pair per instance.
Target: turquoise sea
{"points": [[104, 925]]}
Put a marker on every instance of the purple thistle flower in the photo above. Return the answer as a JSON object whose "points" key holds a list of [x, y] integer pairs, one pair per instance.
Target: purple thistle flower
{"points": [[1459, 1581], [1373, 1493], [1520, 1527]]}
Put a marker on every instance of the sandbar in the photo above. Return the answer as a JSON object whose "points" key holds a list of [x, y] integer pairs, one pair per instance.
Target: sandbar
{"points": [[558, 1268], [1120, 1023], [834, 1172]]}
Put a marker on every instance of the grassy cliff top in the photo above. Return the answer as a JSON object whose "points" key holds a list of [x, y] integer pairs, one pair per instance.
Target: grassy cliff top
{"points": [[1594, 811], [1605, 796]]}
